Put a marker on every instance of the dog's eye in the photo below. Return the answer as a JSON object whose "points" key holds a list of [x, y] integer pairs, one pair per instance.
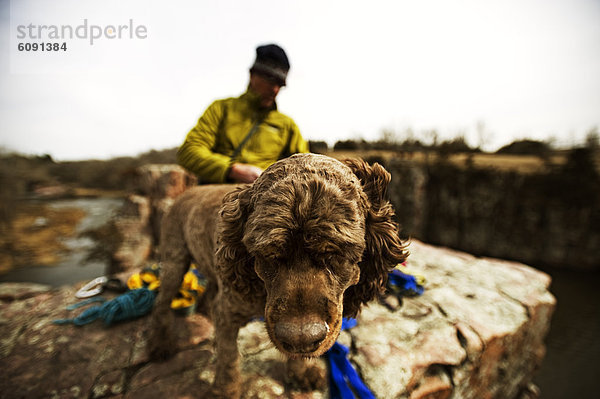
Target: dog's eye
{"points": [[277, 260], [329, 260], [265, 268]]}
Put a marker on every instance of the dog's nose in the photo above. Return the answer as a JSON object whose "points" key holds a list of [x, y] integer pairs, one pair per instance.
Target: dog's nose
{"points": [[300, 337]]}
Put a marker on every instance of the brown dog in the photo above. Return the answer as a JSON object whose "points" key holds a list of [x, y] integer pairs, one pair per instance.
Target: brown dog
{"points": [[309, 242]]}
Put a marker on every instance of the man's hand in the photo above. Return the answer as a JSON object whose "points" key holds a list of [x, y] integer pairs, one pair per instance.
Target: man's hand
{"points": [[244, 173]]}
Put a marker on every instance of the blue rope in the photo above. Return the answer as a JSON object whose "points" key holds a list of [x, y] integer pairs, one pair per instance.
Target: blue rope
{"points": [[342, 375], [404, 284], [86, 302], [130, 305], [344, 381]]}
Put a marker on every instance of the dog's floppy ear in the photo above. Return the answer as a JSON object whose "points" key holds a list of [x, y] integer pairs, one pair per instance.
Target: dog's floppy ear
{"points": [[233, 261], [384, 249]]}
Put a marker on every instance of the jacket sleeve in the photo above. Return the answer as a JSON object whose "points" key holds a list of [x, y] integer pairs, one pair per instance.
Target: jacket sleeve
{"points": [[196, 155]]}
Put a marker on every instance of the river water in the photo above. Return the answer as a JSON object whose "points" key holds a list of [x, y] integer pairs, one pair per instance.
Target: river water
{"points": [[75, 266], [570, 369]]}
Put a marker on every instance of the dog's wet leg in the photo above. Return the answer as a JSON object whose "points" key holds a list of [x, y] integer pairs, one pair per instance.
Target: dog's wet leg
{"points": [[162, 341], [227, 378]]}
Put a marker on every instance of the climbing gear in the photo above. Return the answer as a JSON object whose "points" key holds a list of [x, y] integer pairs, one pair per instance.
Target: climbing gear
{"points": [[344, 381], [342, 375], [98, 285], [93, 288], [192, 287], [249, 135], [115, 285], [136, 302], [131, 305], [147, 278], [403, 283]]}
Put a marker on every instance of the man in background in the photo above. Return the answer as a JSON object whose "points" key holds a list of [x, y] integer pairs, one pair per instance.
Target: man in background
{"points": [[237, 138]]}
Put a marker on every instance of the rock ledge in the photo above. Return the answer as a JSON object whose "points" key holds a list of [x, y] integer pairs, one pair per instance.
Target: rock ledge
{"points": [[477, 332]]}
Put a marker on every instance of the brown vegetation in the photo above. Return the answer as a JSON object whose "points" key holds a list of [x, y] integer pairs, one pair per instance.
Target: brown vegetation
{"points": [[501, 162]]}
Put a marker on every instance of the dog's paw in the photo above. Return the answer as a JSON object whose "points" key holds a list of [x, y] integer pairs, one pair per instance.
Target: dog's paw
{"points": [[307, 375], [231, 391], [160, 351]]}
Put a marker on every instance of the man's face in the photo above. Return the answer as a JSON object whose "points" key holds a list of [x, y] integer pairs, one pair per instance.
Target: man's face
{"points": [[267, 88]]}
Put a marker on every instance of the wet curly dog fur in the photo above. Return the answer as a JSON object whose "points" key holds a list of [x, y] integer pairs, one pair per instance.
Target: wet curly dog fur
{"points": [[308, 243]]}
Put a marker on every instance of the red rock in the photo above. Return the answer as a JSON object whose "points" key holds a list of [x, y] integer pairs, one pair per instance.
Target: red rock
{"points": [[438, 386]]}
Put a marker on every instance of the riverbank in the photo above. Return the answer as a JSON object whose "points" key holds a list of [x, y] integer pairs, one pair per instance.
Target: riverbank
{"points": [[49, 241]]}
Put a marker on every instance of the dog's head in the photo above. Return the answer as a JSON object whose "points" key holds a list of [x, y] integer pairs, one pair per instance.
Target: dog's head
{"points": [[315, 236]]}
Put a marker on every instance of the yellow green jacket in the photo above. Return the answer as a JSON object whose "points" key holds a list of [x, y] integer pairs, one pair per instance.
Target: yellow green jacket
{"points": [[208, 147]]}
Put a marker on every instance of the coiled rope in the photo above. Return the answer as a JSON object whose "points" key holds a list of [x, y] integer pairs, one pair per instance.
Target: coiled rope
{"points": [[128, 306]]}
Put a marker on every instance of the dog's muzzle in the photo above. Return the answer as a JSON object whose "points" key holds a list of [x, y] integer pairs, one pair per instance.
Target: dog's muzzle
{"points": [[301, 336]]}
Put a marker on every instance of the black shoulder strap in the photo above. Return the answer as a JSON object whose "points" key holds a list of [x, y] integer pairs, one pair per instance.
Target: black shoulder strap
{"points": [[253, 130], [286, 152]]}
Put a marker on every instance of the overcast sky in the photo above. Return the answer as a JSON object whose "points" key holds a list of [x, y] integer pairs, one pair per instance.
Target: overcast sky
{"points": [[516, 68]]}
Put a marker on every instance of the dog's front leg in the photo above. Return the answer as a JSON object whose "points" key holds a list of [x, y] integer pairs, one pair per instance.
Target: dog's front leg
{"points": [[227, 378], [162, 342], [307, 374]]}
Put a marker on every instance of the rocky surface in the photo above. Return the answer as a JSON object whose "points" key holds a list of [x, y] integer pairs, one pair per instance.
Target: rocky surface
{"points": [[136, 229], [476, 332]]}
